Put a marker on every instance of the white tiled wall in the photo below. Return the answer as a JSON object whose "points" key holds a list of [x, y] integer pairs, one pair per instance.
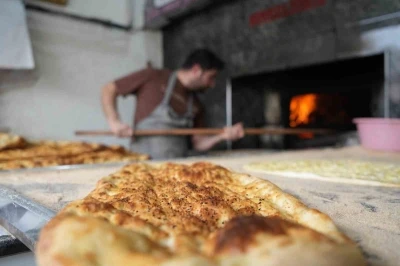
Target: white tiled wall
{"points": [[116, 11], [74, 60]]}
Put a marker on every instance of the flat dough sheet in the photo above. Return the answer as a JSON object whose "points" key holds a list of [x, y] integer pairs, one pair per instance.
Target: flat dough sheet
{"points": [[333, 170]]}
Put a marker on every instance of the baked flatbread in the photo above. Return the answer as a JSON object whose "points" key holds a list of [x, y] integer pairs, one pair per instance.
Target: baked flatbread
{"points": [[106, 156], [53, 153], [347, 171], [200, 214], [8, 141], [50, 149]]}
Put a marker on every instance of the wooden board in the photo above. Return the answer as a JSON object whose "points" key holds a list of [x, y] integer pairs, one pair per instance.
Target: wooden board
{"points": [[58, 2], [209, 131]]}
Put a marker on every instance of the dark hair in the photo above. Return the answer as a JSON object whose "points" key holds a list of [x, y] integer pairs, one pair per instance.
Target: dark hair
{"points": [[205, 58]]}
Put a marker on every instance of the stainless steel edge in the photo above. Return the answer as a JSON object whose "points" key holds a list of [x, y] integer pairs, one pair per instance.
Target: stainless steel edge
{"points": [[68, 167], [22, 217]]}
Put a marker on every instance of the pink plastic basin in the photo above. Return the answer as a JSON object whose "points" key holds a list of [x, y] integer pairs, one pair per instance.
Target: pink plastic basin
{"points": [[379, 133]]}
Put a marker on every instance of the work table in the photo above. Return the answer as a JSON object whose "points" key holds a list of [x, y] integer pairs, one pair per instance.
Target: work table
{"points": [[370, 215]]}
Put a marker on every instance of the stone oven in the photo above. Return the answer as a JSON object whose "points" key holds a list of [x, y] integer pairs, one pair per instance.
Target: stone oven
{"points": [[297, 63], [327, 95]]}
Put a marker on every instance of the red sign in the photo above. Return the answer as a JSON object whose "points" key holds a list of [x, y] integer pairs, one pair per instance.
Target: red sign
{"points": [[284, 10]]}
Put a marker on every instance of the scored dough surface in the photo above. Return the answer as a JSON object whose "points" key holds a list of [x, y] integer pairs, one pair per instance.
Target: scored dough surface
{"points": [[174, 214]]}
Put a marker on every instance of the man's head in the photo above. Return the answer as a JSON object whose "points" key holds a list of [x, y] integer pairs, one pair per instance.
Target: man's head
{"points": [[201, 68]]}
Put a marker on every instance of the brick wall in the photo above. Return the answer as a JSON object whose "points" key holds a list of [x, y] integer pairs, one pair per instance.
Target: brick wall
{"points": [[257, 36]]}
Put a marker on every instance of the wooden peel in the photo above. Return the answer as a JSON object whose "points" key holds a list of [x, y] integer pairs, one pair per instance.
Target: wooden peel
{"points": [[208, 131]]}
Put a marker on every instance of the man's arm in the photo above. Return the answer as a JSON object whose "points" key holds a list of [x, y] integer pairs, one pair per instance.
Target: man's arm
{"points": [[204, 143], [109, 104]]}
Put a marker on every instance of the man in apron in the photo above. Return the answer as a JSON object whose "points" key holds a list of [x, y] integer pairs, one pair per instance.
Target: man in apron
{"points": [[166, 100]]}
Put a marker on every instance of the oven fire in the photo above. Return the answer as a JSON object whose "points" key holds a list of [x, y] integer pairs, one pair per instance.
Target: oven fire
{"points": [[318, 110], [301, 109]]}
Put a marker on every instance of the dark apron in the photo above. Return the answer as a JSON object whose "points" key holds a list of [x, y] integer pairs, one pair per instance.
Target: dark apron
{"points": [[164, 117]]}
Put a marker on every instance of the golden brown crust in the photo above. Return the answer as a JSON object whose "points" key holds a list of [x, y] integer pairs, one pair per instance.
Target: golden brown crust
{"points": [[50, 149], [8, 141], [88, 230], [192, 215], [239, 233], [52, 153]]}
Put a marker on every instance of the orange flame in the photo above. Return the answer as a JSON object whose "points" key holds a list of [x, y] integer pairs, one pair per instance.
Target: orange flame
{"points": [[301, 107]]}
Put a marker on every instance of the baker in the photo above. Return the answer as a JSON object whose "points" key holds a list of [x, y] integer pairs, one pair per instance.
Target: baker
{"points": [[166, 100]]}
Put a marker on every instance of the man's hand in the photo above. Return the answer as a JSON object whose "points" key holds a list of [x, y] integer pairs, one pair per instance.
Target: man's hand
{"points": [[233, 133], [109, 104], [203, 143], [121, 130]]}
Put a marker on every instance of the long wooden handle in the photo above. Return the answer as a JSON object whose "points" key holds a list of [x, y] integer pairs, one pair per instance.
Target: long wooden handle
{"points": [[209, 131]]}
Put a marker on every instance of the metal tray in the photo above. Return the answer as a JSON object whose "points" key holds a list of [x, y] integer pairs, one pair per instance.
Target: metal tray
{"points": [[87, 166], [22, 217], [68, 167]]}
